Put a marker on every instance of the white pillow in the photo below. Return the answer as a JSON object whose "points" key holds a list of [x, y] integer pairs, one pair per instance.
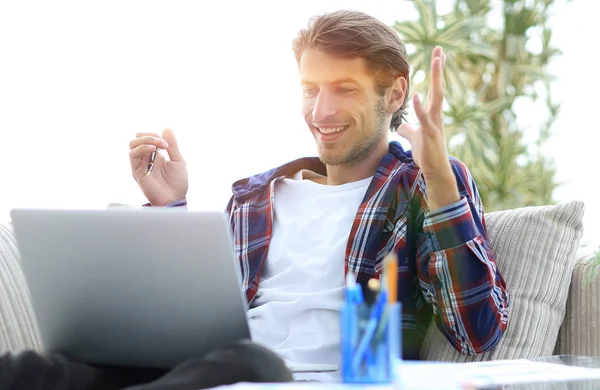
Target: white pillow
{"points": [[535, 249], [18, 325]]}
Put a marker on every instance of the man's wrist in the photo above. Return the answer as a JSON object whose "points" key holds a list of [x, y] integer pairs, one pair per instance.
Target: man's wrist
{"points": [[442, 190]]}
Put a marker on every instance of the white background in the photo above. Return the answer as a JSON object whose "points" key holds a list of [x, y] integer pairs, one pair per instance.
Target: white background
{"points": [[79, 79]]}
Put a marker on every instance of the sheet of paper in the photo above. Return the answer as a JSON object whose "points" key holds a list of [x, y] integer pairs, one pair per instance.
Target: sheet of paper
{"points": [[450, 376], [493, 373], [303, 386]]}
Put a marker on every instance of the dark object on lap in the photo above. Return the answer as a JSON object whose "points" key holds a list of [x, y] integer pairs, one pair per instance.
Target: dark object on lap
{"points": [[236, 362]]}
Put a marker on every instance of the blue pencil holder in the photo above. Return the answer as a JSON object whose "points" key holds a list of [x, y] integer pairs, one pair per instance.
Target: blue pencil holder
{"points": [[370, 346]]}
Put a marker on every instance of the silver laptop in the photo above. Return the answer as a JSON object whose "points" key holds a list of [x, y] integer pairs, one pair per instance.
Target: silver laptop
{"points": [[150, 287]]}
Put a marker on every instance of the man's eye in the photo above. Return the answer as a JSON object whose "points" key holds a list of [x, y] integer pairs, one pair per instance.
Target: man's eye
{"points": [[346, 90], [308, 92]]}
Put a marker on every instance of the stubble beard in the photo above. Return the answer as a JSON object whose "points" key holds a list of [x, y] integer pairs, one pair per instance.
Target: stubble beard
{"points": [[364, 147]]}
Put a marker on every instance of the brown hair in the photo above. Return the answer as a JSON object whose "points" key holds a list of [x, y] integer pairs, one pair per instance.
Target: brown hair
{"points": [[353, 34]]}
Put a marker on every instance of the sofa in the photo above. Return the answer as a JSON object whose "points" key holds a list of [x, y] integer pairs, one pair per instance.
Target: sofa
{"points": [[554, 308]]}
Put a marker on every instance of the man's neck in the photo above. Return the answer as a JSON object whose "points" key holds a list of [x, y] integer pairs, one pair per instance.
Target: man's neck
{"points": [[342, 174]]}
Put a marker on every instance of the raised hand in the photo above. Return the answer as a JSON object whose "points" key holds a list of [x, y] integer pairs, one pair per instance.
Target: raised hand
{"points": [[428, 142], [168, 180]]}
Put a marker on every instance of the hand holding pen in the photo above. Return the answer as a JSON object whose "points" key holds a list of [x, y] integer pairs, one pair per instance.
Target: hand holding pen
{"points": [[152, 161], [162, 176]]}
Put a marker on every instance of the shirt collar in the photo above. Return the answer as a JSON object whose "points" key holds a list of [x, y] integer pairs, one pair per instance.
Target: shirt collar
{"points": [[246, 188]]}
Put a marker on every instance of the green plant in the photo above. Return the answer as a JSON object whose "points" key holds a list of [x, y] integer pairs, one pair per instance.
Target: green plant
{"points": [[489, 71]]}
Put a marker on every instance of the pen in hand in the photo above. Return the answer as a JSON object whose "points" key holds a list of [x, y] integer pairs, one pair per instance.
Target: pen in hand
{"points": [[151, 162]]}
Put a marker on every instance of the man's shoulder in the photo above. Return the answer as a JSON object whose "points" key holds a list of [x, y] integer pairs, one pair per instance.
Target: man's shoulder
{"points": [[258, 183], [398, 162], [414, 182], [458, 166], [464, 179], [411, 177]]}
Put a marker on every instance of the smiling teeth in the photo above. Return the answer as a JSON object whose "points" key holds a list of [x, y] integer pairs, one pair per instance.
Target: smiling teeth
{"points": [[327, 130]]}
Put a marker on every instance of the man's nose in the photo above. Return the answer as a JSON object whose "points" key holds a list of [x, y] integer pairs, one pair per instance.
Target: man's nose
{"points": [[325, 107]]}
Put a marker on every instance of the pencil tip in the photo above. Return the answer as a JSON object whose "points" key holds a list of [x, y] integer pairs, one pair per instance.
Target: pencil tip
{"points": [[374, 284]]}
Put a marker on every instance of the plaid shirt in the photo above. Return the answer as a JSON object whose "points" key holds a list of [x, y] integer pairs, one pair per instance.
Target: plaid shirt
{"points": [[446, 268]]}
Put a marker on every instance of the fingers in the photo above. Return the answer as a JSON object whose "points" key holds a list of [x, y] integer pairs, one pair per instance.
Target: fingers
{"points": [[146, 143], [156, 141], [436, 88], [420, 111], [436, 53], [173, 148], [141, 151], [146, 134], [406, 131]]}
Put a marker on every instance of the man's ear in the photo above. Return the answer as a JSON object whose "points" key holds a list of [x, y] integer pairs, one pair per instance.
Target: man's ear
{"points": [[398, 91]]}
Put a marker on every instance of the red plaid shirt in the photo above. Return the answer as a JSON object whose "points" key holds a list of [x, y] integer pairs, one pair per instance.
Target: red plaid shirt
{"points": [[446, 267]]}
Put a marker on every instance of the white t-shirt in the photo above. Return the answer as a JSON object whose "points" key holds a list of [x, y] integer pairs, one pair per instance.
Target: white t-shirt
{"points": [[296, 309]]}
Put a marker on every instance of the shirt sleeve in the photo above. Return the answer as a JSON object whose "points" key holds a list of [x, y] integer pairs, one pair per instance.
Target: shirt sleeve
{"points": [[457, 269]]}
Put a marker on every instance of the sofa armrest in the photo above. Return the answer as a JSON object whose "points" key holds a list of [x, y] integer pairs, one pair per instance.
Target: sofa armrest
{"points": [[18, 327], [580, 330]]}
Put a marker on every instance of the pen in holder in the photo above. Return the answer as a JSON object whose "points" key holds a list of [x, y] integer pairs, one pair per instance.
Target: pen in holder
{"points": [[371, 334]]}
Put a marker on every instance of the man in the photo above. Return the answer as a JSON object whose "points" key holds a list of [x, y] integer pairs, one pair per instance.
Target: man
{"points": [[298, 228]]}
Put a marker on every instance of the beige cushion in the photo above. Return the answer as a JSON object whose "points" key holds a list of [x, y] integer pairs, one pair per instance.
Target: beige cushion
{"points": [[580, 330], [18, 329], [535, 248]]}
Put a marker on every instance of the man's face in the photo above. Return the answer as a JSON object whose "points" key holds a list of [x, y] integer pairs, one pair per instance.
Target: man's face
{"points": [[343, 111]]}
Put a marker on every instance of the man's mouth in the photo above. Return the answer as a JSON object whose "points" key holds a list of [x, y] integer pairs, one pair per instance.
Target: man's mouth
{"points": [[330, 130]]}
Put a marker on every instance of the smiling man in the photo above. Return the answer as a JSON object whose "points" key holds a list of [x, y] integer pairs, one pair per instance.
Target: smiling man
{"points": [[300, 227], [362, 198]]}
